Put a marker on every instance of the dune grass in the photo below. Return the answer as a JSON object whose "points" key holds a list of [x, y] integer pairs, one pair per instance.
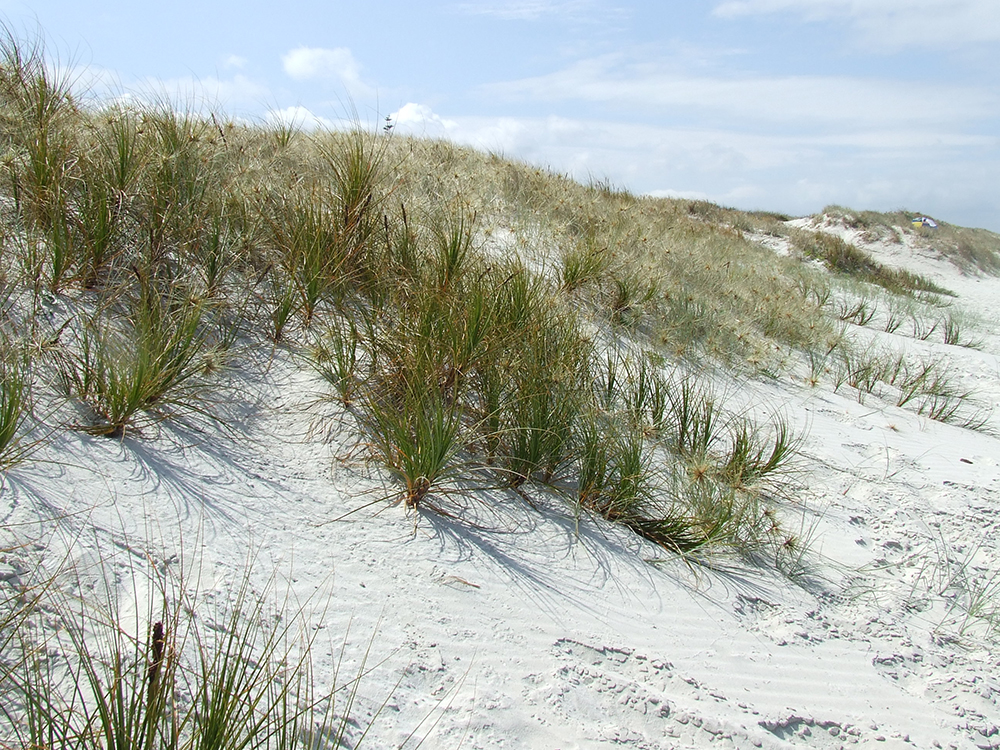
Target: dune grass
{"points": [[484, 321], [847, 259], [170, 235], [927, 385], [150, 367], [184, 675], [973, 250], [15, 402]]}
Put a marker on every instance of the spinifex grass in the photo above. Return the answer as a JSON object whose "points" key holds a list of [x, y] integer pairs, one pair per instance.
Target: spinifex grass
{"points": [[36, 113], [752, 457], [150, 366], [356, 163], [309, 249], [864, 370], [180, 183], [105, 212], [453, 239], [945, 402], [667, 507], [181, 678], [585, 261], [543, 400], [335, 357], [614, 470], [14, 402], [416, 433], [693, 424], [845, 258], [956, 332], [926, 385]]}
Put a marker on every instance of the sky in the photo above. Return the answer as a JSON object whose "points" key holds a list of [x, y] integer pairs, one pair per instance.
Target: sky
{"points": [[779, 105]]}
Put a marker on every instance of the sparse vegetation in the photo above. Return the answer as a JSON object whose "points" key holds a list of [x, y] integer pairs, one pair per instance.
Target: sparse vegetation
{"points": [[233, 675], [973, 250], [151, 367], [845, 258], [14, 402], [925, 385]]}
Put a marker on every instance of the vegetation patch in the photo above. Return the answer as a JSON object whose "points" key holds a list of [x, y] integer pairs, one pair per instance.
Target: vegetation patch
{"points": [[844, 258]]}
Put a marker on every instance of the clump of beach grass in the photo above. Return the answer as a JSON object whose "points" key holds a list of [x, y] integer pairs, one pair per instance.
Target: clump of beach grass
{"points": [[152, 365], [85, 673], [15, 401], [847, 259]]}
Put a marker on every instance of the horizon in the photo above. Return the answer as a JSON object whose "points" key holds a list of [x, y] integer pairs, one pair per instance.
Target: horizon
{"points": [[776, 105]]}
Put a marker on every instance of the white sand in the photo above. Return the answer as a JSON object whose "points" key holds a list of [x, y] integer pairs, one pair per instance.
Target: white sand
{"points": [[533, 633]]}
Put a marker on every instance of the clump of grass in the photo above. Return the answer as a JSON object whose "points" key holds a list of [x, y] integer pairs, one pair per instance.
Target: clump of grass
{"points": [[15, 402], [36, 112], [584, 262], [149, 367], [183, 678], [864, 370], [357, 164], [416, 433], [858, 311], [956, 328], [915, 379], [849, 260], [616, 481], [111, 168], [335, 356], [308, 246], [694, 425], [923, 328], [942, 401], [717, 468], [180, 184], [752, 457], [602, 257], [542, 401], [734, 450]]}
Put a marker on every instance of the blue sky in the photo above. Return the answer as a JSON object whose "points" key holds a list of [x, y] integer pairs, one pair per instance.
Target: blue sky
{"points": [[785, 105]]}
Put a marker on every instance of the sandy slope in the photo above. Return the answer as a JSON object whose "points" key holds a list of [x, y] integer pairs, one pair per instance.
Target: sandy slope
{"points": [[531, 632]]}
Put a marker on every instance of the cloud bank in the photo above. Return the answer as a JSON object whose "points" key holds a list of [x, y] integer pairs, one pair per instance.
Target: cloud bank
{"points": [[823, 101], [898, 23]]}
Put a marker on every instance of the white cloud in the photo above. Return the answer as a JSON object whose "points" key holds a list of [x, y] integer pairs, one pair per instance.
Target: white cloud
{"points": [[897, 23], [823, 100], [88, 81], [419, 119], [298, 117], [337, 64]]}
